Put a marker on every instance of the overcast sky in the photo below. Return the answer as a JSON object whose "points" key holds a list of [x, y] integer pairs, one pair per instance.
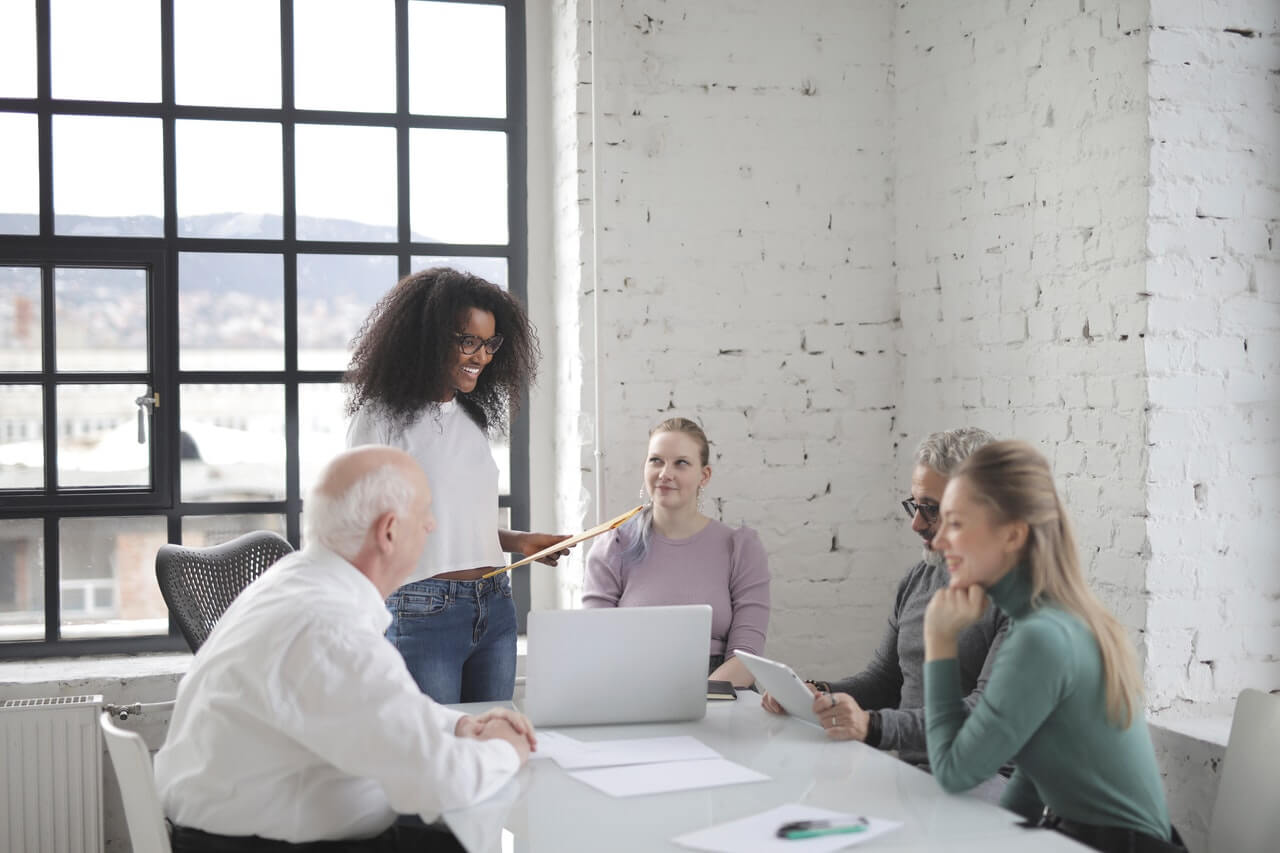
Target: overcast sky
{"points": [[228, 55]]}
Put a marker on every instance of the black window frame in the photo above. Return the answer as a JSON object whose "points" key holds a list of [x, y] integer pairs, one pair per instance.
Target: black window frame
{"points": [[160, 256]]}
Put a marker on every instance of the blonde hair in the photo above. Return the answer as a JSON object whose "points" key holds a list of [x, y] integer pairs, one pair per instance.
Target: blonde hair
{"points": [[1015, 481], [690, 429]]}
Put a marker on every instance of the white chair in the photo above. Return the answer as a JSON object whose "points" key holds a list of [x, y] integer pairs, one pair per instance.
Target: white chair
{"points": [[142, 812], [1246, 813]]}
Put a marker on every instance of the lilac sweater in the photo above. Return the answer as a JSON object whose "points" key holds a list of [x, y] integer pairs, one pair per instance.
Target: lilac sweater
{"points": [[719, 565]]}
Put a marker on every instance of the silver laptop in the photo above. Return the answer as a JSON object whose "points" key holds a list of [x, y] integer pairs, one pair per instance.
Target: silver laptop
{"points": [[617, 665]]}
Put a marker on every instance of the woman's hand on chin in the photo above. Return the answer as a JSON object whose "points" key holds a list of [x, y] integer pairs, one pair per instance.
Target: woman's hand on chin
{"points": [[950, 611]]}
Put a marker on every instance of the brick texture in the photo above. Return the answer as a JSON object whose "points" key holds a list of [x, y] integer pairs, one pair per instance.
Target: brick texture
{"points": [[744, 216], [824, 235], [1213, 353]]}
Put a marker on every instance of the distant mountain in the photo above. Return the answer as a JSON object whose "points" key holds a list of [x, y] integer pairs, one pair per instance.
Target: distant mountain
{"points": [[257, 275], [233, 225]]}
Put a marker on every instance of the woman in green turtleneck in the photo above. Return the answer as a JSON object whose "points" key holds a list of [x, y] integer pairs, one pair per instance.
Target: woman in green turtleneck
{"points": [[1064, 699]]}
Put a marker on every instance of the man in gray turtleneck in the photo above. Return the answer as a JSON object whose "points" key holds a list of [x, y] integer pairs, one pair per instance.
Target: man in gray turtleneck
{"points": [[883, 705]]}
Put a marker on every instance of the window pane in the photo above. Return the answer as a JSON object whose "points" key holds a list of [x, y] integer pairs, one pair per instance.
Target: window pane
{"points": [[106, 51], [458, 186], [202, 31], [233, 442], [19, 318], [107, 176], [17, 50], [22, 580], [458, 64], [322, 429], [98, 437], [201, 531], [230, 311], [21, 437], [101, 318], [344, 55], [19, 168], [355, 202], [108, 582], [229, 181], [492, 270], [335, 294]]}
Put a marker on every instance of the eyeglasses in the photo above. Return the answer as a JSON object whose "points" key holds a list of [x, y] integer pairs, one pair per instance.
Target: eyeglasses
{"points": [[929, 511], [470, 344]]}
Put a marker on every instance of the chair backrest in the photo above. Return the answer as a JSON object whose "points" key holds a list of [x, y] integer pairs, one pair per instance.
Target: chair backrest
{"points": [[142, 811], [1246, 813], [199, 584]]}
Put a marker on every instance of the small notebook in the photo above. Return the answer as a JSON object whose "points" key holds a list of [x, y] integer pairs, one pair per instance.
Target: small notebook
{"points": [[721, 690]]}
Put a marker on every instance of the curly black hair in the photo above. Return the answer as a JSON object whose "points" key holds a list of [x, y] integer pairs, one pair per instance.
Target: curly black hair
{"points": [[402, 355]]}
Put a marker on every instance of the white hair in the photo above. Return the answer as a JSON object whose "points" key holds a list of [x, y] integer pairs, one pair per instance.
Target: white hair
{"points": [[944, 451], [341, 522], [933, 559]]}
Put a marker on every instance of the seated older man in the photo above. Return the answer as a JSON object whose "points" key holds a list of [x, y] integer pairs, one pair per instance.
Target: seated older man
{"points": [[298, 726], [883, 705]]}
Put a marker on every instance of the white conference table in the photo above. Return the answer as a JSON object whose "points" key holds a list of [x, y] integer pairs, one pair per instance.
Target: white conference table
{"points": [[544, 810]]}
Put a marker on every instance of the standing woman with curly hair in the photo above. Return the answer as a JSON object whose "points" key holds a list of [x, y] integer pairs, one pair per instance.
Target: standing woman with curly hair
{"points": [[438, 367]]}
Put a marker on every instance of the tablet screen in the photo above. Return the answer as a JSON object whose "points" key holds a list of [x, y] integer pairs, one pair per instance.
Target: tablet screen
{"points": [[783, 685]]}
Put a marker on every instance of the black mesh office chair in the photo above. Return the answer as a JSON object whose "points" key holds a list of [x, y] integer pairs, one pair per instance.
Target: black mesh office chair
{"points": [[199, 584]]}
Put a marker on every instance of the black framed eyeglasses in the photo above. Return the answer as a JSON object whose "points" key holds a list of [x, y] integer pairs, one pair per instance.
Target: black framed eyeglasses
{"points": [[929, 511], [470, 344]]}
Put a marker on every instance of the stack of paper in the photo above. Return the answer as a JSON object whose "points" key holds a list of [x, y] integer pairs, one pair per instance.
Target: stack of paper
{"points": [[624, 768]]}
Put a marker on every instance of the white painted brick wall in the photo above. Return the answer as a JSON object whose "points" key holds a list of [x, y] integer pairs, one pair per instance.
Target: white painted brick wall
{"points": [[1213, 353], [745, 266], [827, 234], [1020, 208], [569, 275]]}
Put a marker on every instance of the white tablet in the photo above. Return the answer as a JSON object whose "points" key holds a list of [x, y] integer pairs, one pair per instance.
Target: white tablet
{"points": [[783, 684]]}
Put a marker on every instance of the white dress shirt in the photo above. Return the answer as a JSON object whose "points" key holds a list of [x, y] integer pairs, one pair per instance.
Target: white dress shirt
{"points": [[455, 454], [298, 720]]}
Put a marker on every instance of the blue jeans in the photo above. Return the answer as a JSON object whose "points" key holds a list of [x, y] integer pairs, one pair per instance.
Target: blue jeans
{"points": [[458, 638]]}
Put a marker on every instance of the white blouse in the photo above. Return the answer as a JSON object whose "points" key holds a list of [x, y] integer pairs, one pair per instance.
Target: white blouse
{"points": [[455, 454]]}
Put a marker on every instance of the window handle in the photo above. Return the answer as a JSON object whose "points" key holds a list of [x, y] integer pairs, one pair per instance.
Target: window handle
{"points": [[146, 401]]}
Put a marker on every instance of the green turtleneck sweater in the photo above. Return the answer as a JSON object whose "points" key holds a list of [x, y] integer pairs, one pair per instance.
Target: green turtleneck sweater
{"points": [[1044, 707]]}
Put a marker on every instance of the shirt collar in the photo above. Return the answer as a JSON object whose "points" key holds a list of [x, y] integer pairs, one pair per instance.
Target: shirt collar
{"points": [[367, 603]]}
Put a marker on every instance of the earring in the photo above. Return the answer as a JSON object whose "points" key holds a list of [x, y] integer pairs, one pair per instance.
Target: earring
{"points": [[644, 496], [699, 498]]}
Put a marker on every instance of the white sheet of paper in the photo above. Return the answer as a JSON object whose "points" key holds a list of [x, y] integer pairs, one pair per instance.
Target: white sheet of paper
{"points": [[637, 779], [648, 750], [554, 745], [760, 832]]}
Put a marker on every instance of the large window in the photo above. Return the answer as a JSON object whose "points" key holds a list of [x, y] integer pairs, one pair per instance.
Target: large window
{"points": [[200, 201]]}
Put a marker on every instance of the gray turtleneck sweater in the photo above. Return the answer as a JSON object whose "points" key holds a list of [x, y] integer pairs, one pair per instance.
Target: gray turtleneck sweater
{"points": [[893, 682]]}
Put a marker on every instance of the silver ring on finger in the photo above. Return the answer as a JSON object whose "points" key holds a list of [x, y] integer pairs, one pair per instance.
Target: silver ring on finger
{"points": [[832, 697]]}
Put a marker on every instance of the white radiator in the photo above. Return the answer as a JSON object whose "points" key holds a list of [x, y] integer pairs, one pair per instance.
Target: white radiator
{"points": [[51, 775]]}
